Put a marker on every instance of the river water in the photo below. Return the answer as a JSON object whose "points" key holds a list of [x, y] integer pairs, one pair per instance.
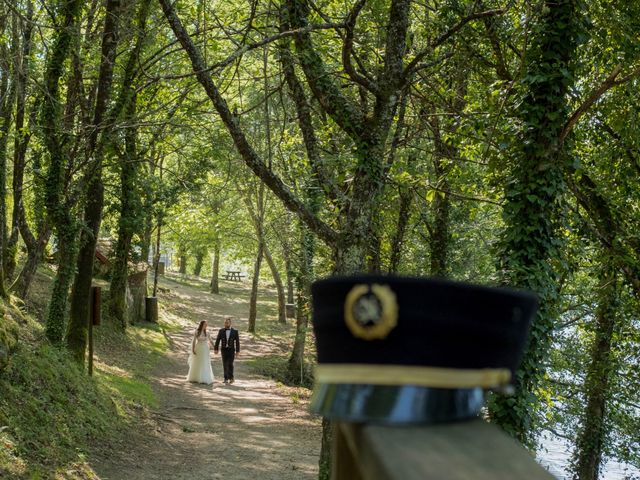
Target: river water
{"points": [[555, 455]]}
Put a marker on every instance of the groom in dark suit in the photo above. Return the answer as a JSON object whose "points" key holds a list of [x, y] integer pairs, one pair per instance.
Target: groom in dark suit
{"points": [[230, 348]]}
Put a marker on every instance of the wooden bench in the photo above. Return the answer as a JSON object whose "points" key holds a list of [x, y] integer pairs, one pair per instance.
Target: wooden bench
{"points": [[233, 275], [455, 451]]}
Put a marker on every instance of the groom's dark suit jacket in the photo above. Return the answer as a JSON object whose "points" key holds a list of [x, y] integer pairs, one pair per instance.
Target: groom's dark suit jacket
{"points": [[234, 339]]}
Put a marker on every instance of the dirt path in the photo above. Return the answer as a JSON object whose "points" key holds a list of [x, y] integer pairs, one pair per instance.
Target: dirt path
{"points": [[249, 430]]}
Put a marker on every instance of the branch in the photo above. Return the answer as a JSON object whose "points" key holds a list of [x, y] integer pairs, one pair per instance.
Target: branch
{"points": [[501, 66], [606, 85], [273, 38], [303, 110], [235, 55], [347, 50], [329, 95], [409, 69], [606, 228], [248, 154], [459, 195], [392, 78]]}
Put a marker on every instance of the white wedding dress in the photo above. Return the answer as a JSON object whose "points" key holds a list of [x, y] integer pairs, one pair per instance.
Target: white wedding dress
{"points": [[200, 370]]}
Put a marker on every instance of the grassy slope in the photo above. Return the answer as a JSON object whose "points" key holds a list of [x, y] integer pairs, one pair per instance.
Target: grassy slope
{"points": [[51, 413]]}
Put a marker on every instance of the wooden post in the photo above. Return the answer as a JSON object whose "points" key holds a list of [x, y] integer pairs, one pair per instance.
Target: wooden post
{"points": [[455, 451], [94, 319], [151, 309]]}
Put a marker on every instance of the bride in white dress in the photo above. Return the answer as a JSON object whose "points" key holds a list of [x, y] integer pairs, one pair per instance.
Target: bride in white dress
{"points": [[200, 370]]}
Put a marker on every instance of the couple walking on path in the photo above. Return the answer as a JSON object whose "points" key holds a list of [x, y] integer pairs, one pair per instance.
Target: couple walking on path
{"points": [[200, 370]]}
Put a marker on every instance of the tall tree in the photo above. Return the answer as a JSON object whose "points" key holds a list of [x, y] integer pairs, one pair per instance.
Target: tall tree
{"points": [[22, 137], [7, 97], [51, 125], [533, 194], [593, 433], [125, 108], [79, 314]]}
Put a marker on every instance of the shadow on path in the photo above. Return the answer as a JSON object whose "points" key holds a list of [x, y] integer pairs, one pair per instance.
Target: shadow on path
{"points": [[248, 430]]}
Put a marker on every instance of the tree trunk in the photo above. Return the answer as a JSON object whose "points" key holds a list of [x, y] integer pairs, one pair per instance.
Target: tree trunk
{"points": [[282, 307], [304, 278], [403, 221], [81, 292], [67, 254], [286, 253], [7, 96], [156, 258], [21, 141], [593, 433], [127, 220], [253, 302], [51, 124], [529, 244], [147, 232], [440, 208], [35, 251], [129, 204], [198, 266], [214, 286], [182, 259]]}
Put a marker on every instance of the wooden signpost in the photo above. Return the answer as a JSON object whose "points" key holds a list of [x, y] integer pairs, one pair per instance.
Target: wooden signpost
{"points": [[94, 319]]}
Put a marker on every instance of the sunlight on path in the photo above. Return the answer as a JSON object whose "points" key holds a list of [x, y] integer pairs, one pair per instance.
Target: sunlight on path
{"points": [[248, 430]]}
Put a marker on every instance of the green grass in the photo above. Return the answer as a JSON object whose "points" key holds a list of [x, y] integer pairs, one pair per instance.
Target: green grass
{"points": [[52, 414], [49, 412], [276, 367]]}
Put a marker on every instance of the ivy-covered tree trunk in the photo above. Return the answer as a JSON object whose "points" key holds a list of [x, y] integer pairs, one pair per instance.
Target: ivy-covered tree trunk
{"points": [[67, 255], [182, 260], [214, 285], [126, 107], [282, 307], [533, 192], [253, 301], [593, 433], [197, 268], [304, 278], [58, 210], [127, 222]]}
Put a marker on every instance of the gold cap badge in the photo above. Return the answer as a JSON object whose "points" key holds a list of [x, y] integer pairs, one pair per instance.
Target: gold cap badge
{"points": [[371, 311]]}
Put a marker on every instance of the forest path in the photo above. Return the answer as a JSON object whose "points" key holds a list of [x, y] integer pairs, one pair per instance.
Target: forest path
{"points": [[249, 430]]}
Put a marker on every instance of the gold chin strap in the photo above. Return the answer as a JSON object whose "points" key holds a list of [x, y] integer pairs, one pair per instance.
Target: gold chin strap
{"points": [[436, 377]]}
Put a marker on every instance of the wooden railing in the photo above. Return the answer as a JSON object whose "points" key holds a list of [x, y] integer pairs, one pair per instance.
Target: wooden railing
{"points": [[473, 450]]}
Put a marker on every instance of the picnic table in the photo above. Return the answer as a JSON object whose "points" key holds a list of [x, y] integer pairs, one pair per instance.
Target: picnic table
{"points": [[233, 275]]}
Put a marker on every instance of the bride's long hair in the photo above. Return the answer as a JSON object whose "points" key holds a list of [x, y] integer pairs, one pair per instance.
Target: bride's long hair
{"points": [[201, 327]]}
